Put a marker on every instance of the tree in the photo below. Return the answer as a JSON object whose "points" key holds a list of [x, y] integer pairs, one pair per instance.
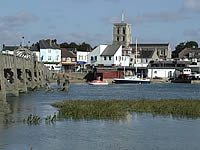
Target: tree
{"points": [[80, 47], [182, 46], [191, 44]]}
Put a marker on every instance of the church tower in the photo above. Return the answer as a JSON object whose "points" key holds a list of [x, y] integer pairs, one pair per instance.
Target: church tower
{"points": [[122, 33]]}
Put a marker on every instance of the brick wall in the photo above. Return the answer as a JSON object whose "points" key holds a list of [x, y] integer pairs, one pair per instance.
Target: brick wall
{"points": [[112, 75]]}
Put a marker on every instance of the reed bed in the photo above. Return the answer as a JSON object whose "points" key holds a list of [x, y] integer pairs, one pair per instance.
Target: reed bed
{"points": [[119, 109]]}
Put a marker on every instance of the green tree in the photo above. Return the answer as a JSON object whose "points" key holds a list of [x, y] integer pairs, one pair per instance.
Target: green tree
{"points": [[191, 44], [73, 45], [80, 47], [182, 46]]}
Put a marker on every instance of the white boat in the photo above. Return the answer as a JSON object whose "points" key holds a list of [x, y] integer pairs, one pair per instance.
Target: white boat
{"points": [[132, 79], [98, 82]]}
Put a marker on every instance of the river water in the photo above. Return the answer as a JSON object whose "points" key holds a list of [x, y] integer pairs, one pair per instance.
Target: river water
{"points": [[137, 132]]}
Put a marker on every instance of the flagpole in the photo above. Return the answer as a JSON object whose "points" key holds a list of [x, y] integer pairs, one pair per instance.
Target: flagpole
{"points": [[22, 41]]}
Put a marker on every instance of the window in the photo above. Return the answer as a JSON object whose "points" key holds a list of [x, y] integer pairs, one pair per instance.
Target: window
{"points": [[109, 57], [161, 52], [116, 57], [155, 72], [124, 30], [91, 58], [73, 59], [68, 59], [95, 57], [117, 30], [190, 55], [49, 57], [104, 57], [80, 57], [169, 74], [117, 38], [124, 38]]}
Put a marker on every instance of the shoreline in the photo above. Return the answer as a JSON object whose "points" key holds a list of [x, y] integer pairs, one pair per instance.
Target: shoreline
{"points": [[110, 81]]}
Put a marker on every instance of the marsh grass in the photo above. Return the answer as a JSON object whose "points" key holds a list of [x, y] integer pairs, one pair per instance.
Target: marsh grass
{"points": [[119, 109]]}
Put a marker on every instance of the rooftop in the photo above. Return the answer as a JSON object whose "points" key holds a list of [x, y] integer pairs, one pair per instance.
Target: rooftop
{"points": [[66, 53], [47, 44], [110, 50], [149, 44]]}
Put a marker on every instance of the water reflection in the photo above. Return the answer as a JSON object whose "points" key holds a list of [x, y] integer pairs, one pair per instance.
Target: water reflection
{"points": [[138, 131]]}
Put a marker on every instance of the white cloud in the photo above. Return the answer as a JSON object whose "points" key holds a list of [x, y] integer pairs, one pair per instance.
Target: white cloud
{"points": [[10, 24], [16, 20], [193, 5]]}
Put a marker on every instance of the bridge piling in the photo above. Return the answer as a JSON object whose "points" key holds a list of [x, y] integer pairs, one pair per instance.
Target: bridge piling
{"points": [[15, 89], [4, 108], [23, 80], [18, 74]]}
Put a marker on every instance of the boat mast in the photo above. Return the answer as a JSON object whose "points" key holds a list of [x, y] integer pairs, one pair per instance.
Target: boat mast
{"points": [[124, 68], [136, 57]]}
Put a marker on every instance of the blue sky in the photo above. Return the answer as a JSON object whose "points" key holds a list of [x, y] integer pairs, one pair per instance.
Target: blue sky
{"points": [[91, 21]]}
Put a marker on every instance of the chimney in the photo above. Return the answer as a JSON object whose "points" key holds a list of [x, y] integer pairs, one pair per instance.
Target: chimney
{"points": [[49, 41]]}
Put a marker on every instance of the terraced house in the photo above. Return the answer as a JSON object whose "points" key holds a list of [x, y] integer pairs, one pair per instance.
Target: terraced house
{"points": [[50, 54]]}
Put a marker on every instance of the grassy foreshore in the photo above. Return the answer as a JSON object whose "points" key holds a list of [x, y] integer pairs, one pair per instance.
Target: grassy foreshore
{"points": [[119, 109]]}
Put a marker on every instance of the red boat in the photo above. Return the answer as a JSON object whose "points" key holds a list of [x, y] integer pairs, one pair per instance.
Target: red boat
{"points": [[98, 82]]}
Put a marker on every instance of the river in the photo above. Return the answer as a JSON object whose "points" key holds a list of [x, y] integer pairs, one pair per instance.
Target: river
{"points": [[137, 132]]}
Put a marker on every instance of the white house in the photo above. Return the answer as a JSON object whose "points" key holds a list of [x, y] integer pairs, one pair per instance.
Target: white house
{"points": [[82, 59], [108, 55], [50, 54], [9, 49]]}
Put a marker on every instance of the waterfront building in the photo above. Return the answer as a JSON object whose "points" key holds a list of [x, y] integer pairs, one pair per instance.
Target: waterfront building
{"points": [[9, 49], [82, 59], [107, 56], [69, 60], [50, 54]]}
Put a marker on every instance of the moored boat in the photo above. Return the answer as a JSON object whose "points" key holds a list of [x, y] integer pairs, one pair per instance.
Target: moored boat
{"points": [[132, 79], [98, 82]]}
